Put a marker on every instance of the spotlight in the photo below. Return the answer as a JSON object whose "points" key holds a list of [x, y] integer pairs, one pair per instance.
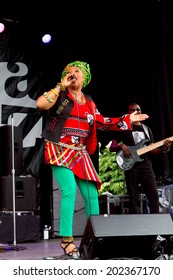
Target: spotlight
{"points": [[46, 38], [2, 27]]}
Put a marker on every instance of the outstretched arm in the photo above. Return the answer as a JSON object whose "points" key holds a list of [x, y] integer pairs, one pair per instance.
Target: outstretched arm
{"points": [[138, 117], [120, 123]]}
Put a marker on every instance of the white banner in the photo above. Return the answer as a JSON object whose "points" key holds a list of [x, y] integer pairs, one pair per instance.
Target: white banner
{"points": [[86, 270]]}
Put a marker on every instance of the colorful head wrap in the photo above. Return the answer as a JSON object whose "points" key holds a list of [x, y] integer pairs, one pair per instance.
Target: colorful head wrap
{"points": [[83, 67]]}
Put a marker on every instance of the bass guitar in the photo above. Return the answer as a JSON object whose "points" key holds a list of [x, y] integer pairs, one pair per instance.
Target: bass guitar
{"points": [[126, 163]]}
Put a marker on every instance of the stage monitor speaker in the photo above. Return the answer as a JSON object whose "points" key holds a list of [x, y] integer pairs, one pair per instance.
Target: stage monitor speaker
{"points": [[124, 236], [25, 193], [6, 150]]}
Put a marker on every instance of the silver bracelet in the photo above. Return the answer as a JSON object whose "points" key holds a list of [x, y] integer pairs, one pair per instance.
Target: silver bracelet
{"points": [[60, 86]]}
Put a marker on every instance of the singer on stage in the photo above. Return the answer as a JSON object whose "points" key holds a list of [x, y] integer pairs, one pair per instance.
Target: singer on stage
{"points": [[70, 136]]}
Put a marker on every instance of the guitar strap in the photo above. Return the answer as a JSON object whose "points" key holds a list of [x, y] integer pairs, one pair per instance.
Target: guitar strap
{"points": [[145, 128]]}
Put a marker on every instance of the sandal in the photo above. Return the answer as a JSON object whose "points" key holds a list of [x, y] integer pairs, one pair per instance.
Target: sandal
{"points": [[74, 253]]}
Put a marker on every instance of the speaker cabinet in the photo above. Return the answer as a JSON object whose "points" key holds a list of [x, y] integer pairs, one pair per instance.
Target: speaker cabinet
{"points": [[124, 236], [27, 228], [6, 150], [25, 193]]}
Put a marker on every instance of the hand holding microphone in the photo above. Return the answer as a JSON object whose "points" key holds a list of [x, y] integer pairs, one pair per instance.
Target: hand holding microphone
{"points": [[68, 80], [72, 77]]}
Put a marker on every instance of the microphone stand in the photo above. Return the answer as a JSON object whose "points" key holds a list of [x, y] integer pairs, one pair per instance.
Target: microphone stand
{"points": [[14, 247]]}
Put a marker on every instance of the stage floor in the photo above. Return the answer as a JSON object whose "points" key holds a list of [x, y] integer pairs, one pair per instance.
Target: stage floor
{"points": [[37, 250], [123, 236]]}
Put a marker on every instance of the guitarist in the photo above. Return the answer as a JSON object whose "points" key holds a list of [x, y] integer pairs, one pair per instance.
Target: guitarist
{"points": [[141, 173]]}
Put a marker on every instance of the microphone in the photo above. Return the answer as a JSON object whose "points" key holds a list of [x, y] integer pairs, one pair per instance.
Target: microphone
{"points": [[72, 77]]}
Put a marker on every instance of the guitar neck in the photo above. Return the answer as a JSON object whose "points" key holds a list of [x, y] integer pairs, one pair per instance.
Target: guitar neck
{"points": [[152, 146]]}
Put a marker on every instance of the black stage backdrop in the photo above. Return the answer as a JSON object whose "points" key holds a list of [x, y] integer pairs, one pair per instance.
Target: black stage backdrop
{"points": [[129, 48]]}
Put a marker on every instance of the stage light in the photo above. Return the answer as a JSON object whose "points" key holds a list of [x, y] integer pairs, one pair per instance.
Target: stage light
{"points": [[46, 38], [2, 27]]}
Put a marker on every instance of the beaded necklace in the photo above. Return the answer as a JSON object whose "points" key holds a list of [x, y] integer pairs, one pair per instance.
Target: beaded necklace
{"points": [[81, 101]]}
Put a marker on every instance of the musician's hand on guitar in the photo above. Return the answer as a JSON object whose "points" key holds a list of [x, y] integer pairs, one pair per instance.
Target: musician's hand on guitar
{"points": [[167, 145], [126, 150], [138, 117]]}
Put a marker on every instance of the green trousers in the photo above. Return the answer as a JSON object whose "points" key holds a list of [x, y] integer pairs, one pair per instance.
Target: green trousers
{"points": [[68, 183]]}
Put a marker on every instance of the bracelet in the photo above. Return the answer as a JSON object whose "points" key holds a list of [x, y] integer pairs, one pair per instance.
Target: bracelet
{"points": [[49, 99], [52, 90], [45, 94], [60, 86]]}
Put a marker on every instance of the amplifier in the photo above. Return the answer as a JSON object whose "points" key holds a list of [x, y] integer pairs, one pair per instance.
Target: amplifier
{"points": [[119, 204], [25, 193]]}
